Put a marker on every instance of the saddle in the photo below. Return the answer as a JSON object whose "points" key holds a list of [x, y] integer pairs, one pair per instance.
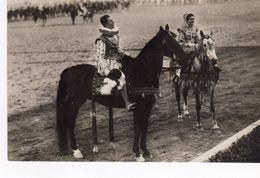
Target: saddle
{"points": [[106, 85]]}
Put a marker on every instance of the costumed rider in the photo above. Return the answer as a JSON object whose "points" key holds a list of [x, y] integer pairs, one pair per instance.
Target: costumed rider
{"points": [[109, 57], [189, 37]]}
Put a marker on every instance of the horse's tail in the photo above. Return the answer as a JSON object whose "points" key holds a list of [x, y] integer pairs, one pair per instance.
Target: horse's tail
{"points": [[74, 88], [62, 118]]}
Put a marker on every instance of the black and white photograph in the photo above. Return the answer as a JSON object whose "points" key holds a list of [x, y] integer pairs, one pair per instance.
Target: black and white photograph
{"points": [[130, 81]]}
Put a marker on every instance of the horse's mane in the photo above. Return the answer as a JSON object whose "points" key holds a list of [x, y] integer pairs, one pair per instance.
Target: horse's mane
{"points": [[144, 68], [148, 46]]}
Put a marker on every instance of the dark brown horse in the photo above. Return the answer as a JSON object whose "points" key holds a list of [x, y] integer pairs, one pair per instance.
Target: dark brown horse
{"points": [[76, 86]]}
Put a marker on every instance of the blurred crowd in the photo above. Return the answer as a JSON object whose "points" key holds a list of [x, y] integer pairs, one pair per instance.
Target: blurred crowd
{"points": [[27, 11], [172, 2]]}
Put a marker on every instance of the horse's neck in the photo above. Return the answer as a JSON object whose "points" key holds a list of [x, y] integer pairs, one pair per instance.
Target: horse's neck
{"points": [[150, 49], [148, 64], [197, 61]]}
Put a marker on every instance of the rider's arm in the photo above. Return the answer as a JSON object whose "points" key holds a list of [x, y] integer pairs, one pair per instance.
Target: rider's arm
{"points": [[181, 38], [101, 62], [121, 51]]}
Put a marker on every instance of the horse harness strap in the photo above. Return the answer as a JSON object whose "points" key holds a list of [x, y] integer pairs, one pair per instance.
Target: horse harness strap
{"points": [[143, 90]]}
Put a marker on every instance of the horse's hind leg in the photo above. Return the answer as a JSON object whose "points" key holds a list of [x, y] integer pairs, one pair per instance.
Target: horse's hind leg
{"points": [[198, 107], [74, 111], [185, 105], [94, 125]]}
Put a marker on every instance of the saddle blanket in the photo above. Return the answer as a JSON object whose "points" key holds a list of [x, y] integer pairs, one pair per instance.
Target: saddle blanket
{"points": [[110, 84]]}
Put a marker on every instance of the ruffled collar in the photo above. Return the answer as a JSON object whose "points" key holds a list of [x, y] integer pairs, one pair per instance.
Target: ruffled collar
{"points": [[108, 31]]}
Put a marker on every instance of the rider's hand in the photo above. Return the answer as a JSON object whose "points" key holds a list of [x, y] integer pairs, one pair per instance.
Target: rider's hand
{"points": [[106, 71]]}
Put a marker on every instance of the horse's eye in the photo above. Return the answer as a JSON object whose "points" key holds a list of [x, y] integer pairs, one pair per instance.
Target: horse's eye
{"points": [[204, 45]]}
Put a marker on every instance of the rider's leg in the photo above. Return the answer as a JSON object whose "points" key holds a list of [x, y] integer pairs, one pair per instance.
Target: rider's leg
{"points": [[118, 76], [129, 106], [123, 90]]}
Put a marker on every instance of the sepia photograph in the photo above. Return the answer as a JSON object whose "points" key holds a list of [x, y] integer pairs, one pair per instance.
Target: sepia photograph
{"points": [[127, 81]]}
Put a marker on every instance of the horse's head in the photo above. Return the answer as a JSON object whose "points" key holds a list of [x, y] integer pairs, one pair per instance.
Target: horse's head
{"points": [[207, 46], [170, 46]]}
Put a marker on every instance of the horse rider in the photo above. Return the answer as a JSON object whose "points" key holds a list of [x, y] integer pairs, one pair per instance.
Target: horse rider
{"points": [[109, 56], [82, 9], [189, 37]]}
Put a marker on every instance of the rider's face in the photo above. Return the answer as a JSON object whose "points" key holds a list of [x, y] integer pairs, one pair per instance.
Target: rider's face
{"points": [[110, 23], [191, 21]]}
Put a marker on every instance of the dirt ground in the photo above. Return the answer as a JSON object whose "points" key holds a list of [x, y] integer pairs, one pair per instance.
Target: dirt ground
{"points": [[37, 55]]}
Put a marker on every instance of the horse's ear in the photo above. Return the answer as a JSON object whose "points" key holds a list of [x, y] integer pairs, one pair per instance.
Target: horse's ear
{"points": [[211, 33], [161, 29], [202, 34], [167, 27]]}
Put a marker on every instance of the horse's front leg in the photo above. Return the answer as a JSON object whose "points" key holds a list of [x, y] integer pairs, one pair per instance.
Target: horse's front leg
{"points": [[144, 128], [111, 128], [198, 107], [178, 98], [137, 134], [212, 110]]}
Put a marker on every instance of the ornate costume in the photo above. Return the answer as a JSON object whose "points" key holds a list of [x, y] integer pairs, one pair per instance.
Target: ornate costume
{"points": [[109, 54], [189, 38]]}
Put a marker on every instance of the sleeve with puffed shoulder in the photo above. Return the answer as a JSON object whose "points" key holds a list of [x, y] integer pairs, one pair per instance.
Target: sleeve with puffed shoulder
{"points": [[100, 56]]}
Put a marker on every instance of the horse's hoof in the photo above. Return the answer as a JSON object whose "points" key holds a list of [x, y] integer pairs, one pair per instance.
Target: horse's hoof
{"points": [[62, 153], [140, 159], [77, 154], [112, 145], [188, 116], [95, 149], [148, 155], [216, 129], [200, 128], [180, 118], [198, 125], [215, 126], [186, 112]]}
